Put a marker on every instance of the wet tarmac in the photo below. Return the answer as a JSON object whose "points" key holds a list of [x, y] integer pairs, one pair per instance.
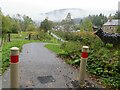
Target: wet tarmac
{"points": [[41, 68]]}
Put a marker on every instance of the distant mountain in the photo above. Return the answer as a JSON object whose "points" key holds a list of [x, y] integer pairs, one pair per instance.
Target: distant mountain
{"points": [[60, 14]]}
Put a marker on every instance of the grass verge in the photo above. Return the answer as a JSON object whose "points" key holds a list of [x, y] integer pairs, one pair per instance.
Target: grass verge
{"points": [[55, 48], [6, 52]]}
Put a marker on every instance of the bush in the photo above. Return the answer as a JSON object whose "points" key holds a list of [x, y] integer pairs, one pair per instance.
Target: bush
{"points": [[104, 61], [45, 37]]}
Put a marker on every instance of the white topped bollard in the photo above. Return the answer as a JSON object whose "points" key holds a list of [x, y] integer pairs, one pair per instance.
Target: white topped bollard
{"points": [[84, 57], [14, 62]]}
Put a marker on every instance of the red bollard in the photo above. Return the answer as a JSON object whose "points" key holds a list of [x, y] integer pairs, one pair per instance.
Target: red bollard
{"points": [[14, 62], [84, 57]]}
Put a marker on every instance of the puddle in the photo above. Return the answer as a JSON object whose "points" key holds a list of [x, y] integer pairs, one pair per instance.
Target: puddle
{"points": [[46, 79]]}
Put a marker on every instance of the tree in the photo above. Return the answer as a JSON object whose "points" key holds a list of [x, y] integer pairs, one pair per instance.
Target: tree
{"points": [[15, 24], [46, 25], [26, 22], [68, 17], [117, 15], [98, 20], [1, 22], [68, 23], [30, 27], [15, 27], [118, 29], [9, 25], [6, 24], [1, 26], [6, 27], [86, 25], [19, 20]]}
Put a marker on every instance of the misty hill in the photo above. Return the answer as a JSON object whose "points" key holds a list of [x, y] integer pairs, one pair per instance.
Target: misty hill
{"points": [[60, 14], [77, 20]]}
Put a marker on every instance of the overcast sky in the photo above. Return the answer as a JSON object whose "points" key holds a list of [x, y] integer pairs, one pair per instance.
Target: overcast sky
{"points": [[34, 7]]}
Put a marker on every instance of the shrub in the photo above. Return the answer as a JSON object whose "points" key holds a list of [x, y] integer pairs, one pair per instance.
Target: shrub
{"points": [[104, 61]]}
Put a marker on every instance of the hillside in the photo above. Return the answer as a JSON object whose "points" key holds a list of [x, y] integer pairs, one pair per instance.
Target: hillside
{"points": [[58, 15]]}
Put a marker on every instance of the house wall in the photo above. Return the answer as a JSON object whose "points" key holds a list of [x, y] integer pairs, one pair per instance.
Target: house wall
{"points": [[110, 29]]}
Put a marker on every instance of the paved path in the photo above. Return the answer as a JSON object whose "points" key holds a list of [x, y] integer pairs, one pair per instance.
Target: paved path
{"points": [[40, 68], [55, 36]]}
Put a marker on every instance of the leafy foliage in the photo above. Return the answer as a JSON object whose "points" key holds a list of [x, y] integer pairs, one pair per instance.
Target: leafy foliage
{"points": [[118, 30], [6, 24], [6, 53], [46, 25], [15, 24], [86, 25], [104, 61], [117, 15], [68, 23], [98, 20]]}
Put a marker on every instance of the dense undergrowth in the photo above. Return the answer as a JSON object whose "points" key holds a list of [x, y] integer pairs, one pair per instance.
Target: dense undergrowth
{"points": [[104, 60]]}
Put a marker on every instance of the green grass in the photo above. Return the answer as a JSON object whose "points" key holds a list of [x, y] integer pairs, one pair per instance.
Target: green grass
{"points": [[55, 48], [19, 36], [43, 37], [0, 62], [103, 61], [6, 52]]}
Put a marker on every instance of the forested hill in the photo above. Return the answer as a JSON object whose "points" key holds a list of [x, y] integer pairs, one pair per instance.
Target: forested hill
{"points": [[58, 15]]}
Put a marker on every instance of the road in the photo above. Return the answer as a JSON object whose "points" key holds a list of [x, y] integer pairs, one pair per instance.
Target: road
{"points": [[41, 68]]}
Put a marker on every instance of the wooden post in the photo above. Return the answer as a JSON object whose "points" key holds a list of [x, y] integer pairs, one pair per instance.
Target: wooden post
{"points": [[14, 62], [8, 37], [84, 57]]}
